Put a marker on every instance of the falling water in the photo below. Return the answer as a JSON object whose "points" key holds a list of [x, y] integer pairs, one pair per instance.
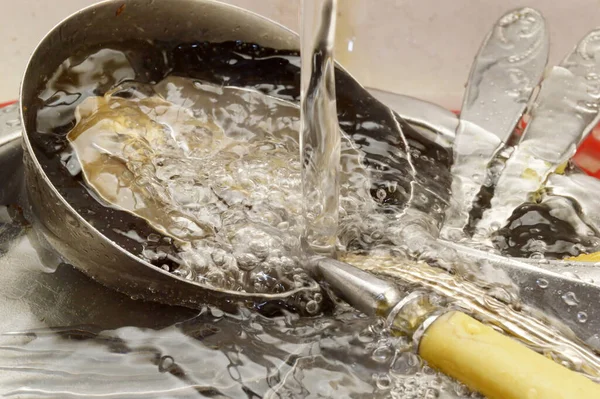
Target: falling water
{"points": [[320, 137]]}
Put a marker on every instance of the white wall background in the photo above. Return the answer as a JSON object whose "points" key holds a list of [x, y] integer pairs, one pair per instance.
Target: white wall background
{"points": [[418, 47]]}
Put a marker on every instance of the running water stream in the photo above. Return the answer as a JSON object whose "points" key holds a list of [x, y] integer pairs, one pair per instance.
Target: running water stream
{"points": [[320, 139]]}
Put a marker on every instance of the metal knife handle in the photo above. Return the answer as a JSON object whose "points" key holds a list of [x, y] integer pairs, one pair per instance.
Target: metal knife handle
{"points": [[508, 67], [564, 112]]}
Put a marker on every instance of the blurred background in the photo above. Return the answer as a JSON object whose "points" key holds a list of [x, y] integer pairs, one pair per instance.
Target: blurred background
{"points": [[422, 48]]}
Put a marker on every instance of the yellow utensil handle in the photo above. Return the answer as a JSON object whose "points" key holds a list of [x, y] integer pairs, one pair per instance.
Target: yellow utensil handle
{"points": [[593, 257], [498, 366]]}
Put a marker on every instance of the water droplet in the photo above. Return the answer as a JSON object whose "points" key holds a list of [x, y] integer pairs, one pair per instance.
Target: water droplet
{"points": [[571, 275], [542, 283], [582, 317], [570, 299]]}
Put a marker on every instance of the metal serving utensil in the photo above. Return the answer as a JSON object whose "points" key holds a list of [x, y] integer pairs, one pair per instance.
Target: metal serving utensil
{"points": [[504, 74]]}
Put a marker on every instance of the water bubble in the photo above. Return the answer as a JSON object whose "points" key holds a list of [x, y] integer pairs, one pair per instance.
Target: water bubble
{"points": [[260, 248], [383, 381], [382, 354], [287, 263], [542, 283], [183, 271], [165, 364], [582, 317], [312, 307], [247, 261]]}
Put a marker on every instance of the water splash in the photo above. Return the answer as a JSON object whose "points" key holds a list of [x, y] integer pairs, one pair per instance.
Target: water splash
{"points": [[564, 112], [505, 312]]}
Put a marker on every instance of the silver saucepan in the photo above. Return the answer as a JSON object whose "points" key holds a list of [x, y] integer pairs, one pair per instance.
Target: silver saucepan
{"points": [[175, 21]]}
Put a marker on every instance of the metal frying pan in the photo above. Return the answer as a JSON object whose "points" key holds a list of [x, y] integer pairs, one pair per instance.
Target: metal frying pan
{"points": [[65, 229], [72, 235]]}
